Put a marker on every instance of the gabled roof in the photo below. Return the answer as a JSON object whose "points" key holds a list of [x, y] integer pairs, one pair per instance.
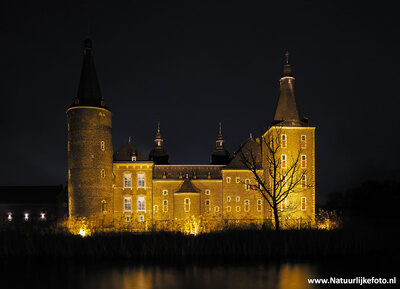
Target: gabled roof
{"points": [[127, 151], [187, 187], [89, 89], [176, 172], [249, 150]]}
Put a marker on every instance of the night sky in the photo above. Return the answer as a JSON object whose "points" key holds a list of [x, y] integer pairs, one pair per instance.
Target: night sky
{"points": [[191, 64]]}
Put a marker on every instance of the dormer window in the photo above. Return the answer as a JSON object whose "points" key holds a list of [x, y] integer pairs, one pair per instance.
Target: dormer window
{"points": [[133, 158]]}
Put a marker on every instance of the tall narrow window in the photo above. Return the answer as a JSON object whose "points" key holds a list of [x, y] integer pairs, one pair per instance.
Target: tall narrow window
{"points": [[259, 205], [283, 141], [155, 208], [207, 209], [228, 199], [165, 192], [127, 218], [141, 218], [102, 146], [140, 181], [207, 192], [247, 184], [283, 182], [303, 161], [303, 181], [165, 206], [186, 203], [228, 209], [127, 203], [283, 205], [303, 203], [283, 161], [141, 204], [216, 209], [103, 173], [228, 180], [104, 207], [68, 146], [237, 180], [127, 180], [237, 209], [246, 205], [303, 142]]}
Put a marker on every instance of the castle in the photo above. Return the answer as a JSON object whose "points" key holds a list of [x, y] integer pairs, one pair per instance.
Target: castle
{"points": [[128, 190]]}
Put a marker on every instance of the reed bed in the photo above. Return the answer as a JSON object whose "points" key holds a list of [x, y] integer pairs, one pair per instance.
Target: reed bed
{"points": [[238, 244]]}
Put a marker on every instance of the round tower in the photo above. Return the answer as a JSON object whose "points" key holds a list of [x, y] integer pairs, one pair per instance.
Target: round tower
{"points": [[90, 150]]}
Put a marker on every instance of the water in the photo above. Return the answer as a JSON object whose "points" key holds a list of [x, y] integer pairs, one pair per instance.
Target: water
{"points": [[111, 275]]}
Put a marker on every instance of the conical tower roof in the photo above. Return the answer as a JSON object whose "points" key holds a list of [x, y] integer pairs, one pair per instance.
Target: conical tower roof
{"points": [[287, 111], [89, 89], [220, 156]]}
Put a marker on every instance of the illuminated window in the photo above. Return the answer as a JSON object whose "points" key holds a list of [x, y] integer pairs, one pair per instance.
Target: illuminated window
{"points": [[246, 205], [104, 207], [133, 158], [237, 209], [303, 203], [165, 206], [69, 174], [216, 209], [303, 161], [283, 161], [102, 146], [259, 205], [228, 209], [165, 192], [207, 205], [127, 203], [247, 184], [283, 140], [303, 181], [155, 209], [228, 199], [237, 199], [26, 217], [127, 218], [283, 205], [103, 173], [140, 180], [127, 180], [303, 142], [283, 182], [228, 180], [9, 218], [186, 203], [141, 204], [207, 192], [68, 146], [141, 218], [237, 180]]}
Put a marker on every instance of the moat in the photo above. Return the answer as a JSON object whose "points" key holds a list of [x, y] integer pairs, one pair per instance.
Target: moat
{"points": [[34, 273]]}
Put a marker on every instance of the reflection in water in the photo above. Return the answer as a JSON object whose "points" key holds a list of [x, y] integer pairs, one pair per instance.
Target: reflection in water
{"points": [[155, 277]]}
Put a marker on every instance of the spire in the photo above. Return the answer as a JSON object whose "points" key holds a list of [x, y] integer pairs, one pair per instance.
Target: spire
{"points": [[220, 156], [158, 155], [89, 89], [287, 112]]}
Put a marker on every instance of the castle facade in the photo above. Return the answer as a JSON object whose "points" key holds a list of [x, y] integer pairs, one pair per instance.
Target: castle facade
{"points": [[126, 190]]}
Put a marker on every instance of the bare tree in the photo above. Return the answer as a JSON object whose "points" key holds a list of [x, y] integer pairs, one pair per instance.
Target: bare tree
{"points": [[277, 177]]}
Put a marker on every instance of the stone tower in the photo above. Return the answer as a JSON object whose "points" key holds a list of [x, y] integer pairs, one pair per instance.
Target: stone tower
{"points": [[90, 150], [295, 143]]}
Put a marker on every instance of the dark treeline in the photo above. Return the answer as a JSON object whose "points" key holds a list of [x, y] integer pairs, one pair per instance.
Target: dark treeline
{"points": [[373, 205]]}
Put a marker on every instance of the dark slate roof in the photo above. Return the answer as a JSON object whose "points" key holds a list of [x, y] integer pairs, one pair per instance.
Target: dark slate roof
{"points": [[187, 187], [29, 194], [126, 152], [192, 171], [246, 150], [89, 89], [287, 111]]}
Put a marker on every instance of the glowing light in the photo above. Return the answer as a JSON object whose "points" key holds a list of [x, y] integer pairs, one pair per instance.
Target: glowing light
{"points": [[26, 216], [9, 216], [42, 216], [82, 232]]}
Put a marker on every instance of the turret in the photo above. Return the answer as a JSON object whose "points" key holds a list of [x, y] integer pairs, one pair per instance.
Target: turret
{"points": [[220, 156], [158, 155], [90, 150]]}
